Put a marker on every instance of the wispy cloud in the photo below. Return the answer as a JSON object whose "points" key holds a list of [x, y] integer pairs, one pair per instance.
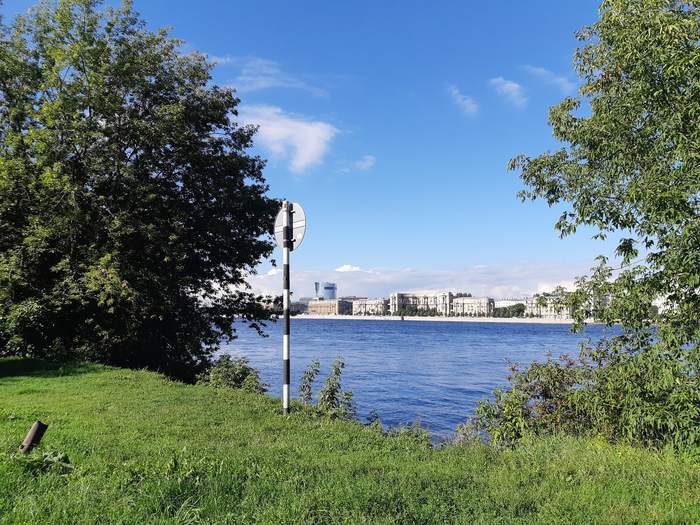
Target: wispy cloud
{"points": [[563, 83], [496, 281], [348, 268], [302, 140], [221, 60], [365, 163], [467, 104], [511, 91], [256, 74]]}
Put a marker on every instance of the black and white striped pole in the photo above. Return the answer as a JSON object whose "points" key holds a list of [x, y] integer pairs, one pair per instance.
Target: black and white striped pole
{"points": [[286, 248], [290, 227]]}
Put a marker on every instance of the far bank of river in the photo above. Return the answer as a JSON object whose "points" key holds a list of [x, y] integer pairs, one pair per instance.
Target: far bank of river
{"points": [[517, 320]]}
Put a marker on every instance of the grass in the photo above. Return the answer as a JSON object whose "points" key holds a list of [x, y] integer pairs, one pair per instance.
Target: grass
{"points": [[147, 450]]}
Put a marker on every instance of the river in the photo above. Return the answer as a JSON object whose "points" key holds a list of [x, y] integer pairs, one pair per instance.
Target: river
{"points": [[431, 372]]}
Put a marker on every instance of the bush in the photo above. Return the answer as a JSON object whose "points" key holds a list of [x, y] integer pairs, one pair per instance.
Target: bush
{"points": [[645, 398], [235, 372], [307, 382], [333, 401]]}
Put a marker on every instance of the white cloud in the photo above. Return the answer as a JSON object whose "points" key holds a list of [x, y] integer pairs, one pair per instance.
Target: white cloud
{"points": [[273, 271], [563, 83], [348, 268], [365, 163], [302, 140], [511, 91], [493, 281], [467, 104], [257, 74], [221, 60], [549, 286]]}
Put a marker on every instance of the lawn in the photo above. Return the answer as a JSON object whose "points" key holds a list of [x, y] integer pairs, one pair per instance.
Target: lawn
{"points": [[147, 450]]}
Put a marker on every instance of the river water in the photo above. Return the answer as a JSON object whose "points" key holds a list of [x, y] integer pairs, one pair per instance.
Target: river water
{"points": [[408, 371]]}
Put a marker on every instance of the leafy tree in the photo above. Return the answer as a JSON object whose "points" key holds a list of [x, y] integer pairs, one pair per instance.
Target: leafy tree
{"points": [[630, 164], [515, 310], [130, 210]]}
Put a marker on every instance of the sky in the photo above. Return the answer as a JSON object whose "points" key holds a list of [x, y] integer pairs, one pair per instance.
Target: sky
{"points": [[392, 124]]}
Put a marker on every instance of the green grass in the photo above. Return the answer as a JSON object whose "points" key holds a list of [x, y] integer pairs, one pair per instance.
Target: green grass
{"points": [[147, 450]]}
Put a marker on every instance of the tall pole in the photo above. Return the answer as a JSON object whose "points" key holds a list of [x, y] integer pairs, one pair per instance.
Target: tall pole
{"points": [[286, 247]]}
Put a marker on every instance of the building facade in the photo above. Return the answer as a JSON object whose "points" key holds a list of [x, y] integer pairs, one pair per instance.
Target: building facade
{"points": [[298, 307], [505, 303], [327, 291], [439, 302], [370, 307], [546, 306], [473, 306], [329, 307]]}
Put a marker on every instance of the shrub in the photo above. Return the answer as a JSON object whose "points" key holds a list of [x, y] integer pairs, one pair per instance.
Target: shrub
{"points": [[307, 382], [644, 398], [538, 401], [235, 372], [332, 400]]}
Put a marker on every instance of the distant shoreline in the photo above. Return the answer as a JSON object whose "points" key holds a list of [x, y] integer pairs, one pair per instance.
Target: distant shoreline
{"points": [[515, 320]]}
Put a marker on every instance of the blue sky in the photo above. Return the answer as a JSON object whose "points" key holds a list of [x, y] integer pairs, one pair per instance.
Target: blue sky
{"points": [[392, 124]]}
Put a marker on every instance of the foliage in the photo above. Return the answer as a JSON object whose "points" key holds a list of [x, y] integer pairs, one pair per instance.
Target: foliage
{"points": [[412, 310], [541, 400], [516, 310], [307, 382], [130, 209], [629, 166], [148, 450], [40, 462], [333, 401], [413, 432], [228, 372]]}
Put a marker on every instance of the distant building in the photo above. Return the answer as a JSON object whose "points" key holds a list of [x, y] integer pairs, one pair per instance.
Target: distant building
{"points": [[473, 306], [439, 302], [547, 306], [329, 307], [370, 307], [298, 307], [325, 290], [505, 303]]}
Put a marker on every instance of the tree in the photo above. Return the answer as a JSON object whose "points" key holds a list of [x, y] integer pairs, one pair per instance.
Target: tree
{"points": [[630, 164], [130, 210], [515, 310]]}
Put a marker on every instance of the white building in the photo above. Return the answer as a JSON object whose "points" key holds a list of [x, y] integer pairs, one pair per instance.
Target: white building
{"points": [[329, 307], [370, 307], [439, 302], [509, 301], [547, 306], [473, 306]]}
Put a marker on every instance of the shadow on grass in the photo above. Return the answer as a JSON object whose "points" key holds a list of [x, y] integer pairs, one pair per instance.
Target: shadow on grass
{"points": [[16, 367]]}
